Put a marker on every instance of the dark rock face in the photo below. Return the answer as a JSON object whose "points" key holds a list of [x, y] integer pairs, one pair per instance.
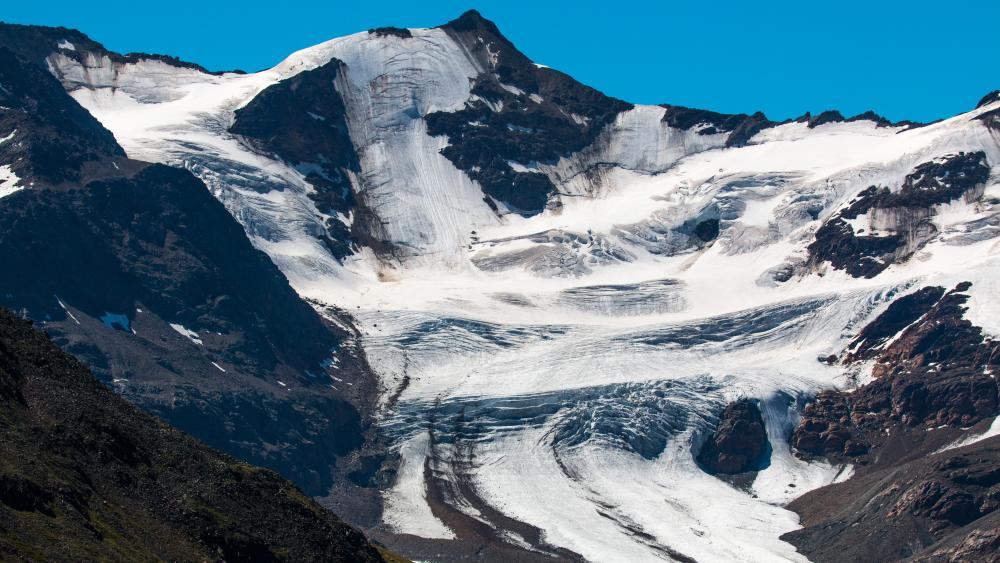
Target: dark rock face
{"points": [[828, 116], [990, 118], [900, 314], [520, 113], [942, 339], [844, 426], [931, 509], [933, 379], [860, 256], [739, 443], [936, 182], [391, 32], [989, 98], [54, 138], [826, 428], [86, 476], [159, 239], [878, 119], [981, 544], [302, 120], [834, 116], [741, 127], [906, 211], [934, 373], [159, 243], [144, 275]]}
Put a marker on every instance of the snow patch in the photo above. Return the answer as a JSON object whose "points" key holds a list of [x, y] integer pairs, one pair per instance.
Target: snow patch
{"points": [[189, 334], [68, 312], [521, 168], [8, 181], [993, 430], [760, 213]]}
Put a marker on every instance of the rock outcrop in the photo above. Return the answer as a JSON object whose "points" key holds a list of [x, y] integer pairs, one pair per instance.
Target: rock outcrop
{"points": [[940, 507], [739, 443], [740, 126], [519, 113], [827, 428], [911, 496], [302, 121], [931, 366], [881, 227]]}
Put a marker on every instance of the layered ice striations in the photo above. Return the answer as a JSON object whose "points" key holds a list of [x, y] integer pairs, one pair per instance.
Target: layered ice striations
{"points": [[555, 425], [426, 209]]}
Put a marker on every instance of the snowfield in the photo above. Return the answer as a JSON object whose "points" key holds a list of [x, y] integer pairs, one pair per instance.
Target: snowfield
{"points": [[562, 368]]}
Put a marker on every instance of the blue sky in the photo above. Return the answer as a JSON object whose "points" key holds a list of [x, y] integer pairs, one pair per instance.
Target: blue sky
{"points": [[906, 60]]}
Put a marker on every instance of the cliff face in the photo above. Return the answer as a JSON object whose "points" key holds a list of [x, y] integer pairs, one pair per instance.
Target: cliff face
{"points": [[86, 476]]}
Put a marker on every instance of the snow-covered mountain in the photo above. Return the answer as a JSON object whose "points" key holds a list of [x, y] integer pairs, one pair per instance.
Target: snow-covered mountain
{"points": [[561, 292]]}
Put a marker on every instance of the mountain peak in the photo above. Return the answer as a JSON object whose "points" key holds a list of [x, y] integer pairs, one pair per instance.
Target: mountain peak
{"points": [[472, 20], [989, 98]]}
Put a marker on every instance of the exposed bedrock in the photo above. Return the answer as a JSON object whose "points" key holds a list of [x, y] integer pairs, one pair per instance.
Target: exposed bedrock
{"points": [[519, 113], [58, 142], [740, 127], [302, 120], [932, 368], [938, 507], [85, 476], [739, 443], [137, 270], [827, 429], [881, 227], [917, 493]]}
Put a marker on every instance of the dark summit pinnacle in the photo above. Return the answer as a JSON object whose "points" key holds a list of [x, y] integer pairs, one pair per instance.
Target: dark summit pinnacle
{"points": [[472, 20], [989, 98], [543, 115]]}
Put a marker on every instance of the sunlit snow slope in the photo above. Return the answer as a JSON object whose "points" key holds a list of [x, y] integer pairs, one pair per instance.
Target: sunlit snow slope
{"points": [[559, 368]]}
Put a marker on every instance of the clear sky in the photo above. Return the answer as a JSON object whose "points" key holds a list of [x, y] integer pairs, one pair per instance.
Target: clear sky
{"points": [[906, 60]]}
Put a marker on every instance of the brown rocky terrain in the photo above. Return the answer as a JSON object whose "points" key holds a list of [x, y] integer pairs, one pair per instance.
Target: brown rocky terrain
{"points": [[910, 497]]}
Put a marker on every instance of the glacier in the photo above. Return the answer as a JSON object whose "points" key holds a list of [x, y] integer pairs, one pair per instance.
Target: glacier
{"points": [[559, 369]]}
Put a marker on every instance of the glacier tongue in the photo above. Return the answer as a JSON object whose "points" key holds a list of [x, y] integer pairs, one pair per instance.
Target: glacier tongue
{"points": [[587, 432]]}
